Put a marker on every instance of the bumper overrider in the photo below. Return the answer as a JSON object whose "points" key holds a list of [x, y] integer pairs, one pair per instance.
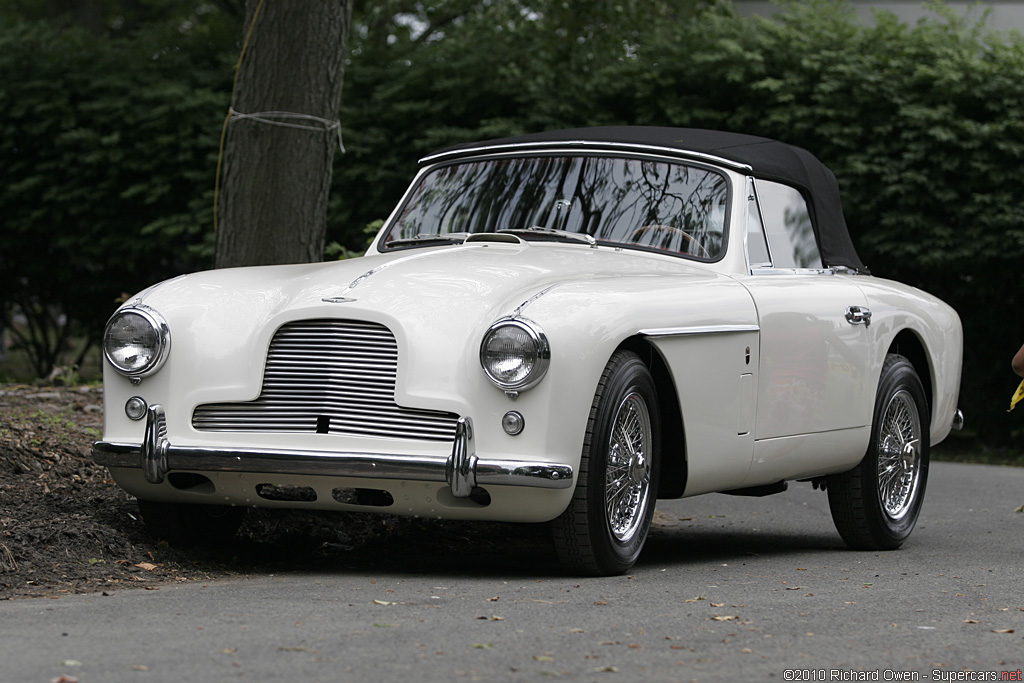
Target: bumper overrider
{"points": [[462, 469]]}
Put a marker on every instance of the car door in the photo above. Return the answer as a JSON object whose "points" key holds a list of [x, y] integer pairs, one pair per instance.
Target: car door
{"points": [[814, 331]]}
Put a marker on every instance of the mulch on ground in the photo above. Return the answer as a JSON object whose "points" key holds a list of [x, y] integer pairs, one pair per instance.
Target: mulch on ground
{"points": [[65, 527]]}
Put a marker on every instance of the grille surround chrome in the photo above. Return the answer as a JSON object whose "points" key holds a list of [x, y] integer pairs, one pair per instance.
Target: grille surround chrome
{"points": [[331, 377]]}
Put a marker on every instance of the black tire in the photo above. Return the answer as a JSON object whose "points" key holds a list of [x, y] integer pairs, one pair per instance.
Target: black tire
{"points": [[188, 526], [876, 504], [604, 528]]}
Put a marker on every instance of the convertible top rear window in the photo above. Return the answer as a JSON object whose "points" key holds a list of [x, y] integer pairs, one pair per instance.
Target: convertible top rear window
{"points": [[656, 204]]}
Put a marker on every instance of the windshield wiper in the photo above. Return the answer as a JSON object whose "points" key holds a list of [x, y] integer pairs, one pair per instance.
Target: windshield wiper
{"points": [[424, 239], [551, 233]]}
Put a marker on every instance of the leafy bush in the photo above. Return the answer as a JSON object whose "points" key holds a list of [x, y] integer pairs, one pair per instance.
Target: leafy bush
{"points": [[108, 144], [107, 149]]}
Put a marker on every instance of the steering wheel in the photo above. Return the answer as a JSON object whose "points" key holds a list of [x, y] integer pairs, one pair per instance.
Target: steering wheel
{"points": [[690, 240]]}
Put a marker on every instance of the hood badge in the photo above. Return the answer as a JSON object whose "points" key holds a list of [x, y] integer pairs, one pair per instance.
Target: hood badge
{"points": [[341, 298]]}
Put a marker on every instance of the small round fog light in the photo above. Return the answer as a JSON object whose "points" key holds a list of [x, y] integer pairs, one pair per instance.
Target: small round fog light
{"points": [[135, 408], [513, 423]]}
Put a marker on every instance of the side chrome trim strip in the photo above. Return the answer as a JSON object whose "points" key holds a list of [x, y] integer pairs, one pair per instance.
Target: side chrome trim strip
{"points": [[698, 329], [463, 469]]}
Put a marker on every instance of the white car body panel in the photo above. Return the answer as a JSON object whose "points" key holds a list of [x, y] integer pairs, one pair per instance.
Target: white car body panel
{"points": [[772, 382]]}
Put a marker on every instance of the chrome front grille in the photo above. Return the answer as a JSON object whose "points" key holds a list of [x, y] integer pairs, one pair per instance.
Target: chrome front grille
{"points": [[329, 377]]}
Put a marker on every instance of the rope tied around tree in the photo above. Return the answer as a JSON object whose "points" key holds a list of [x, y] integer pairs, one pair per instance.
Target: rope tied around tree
{"points": [[271, 118]]}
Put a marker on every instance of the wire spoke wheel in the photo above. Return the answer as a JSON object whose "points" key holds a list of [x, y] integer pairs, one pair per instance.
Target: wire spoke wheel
{"points": [[876, 504], [628, 478], [899, 455], [604, 528]]}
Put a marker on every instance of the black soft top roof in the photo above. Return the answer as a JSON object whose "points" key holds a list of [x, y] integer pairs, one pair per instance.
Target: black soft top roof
{"points": [[765, 158]]}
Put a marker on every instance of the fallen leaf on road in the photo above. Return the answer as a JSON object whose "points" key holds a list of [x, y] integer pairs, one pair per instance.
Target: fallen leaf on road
{"points": [[1002, 630], [384, 602], [724, 618], [148, 566]]}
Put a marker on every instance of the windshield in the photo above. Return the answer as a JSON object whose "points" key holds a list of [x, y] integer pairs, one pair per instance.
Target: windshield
{"points": [[638, 202]]}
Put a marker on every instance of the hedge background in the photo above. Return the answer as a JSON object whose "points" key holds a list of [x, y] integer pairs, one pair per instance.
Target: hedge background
{"points": [[111, 119]]}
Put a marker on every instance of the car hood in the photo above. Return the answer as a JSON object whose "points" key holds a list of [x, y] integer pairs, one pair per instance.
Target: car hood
{"points": [[436, 301], [473, 282]]}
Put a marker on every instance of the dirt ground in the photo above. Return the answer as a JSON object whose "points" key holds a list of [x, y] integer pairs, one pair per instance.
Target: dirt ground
{"points": [[65, 527]]}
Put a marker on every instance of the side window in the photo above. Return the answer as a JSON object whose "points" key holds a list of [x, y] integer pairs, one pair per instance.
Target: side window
{"points": [[757, 247], [788, 225]]}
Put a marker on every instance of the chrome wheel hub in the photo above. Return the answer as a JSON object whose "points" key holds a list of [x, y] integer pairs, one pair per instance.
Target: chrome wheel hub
{"points": [[899, 455], [628, 476]]}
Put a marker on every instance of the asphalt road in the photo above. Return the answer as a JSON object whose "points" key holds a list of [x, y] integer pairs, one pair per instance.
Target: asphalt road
{"points": [[728, 589]]}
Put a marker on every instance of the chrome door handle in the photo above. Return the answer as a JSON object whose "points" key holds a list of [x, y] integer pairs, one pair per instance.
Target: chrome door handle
{"points": [[858, 315]]}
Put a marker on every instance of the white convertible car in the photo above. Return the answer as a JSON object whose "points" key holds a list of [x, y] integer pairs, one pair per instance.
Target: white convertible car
{"points": [[560, 327]]}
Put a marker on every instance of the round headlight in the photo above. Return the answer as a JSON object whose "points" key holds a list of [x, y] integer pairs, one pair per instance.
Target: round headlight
{"points": [[136, 341], [515, 354]]}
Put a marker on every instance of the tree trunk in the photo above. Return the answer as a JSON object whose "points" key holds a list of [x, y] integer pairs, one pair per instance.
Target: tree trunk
{"points": [[276, 179]]}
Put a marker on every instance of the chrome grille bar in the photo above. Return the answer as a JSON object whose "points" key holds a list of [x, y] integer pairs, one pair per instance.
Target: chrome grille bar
{"points": [[336, 376]]}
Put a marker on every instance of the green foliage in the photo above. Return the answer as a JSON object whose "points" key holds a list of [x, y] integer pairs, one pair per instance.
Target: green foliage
{"points": [[423, 77], [107, 149], [109, 133]]}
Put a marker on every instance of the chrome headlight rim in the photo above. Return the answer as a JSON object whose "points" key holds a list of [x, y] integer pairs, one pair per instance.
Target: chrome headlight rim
{"points": [[163, 348], [541, 347]]}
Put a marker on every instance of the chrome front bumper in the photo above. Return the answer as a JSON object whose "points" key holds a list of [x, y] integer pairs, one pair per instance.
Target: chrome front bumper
{"points": [[462, 469]]}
